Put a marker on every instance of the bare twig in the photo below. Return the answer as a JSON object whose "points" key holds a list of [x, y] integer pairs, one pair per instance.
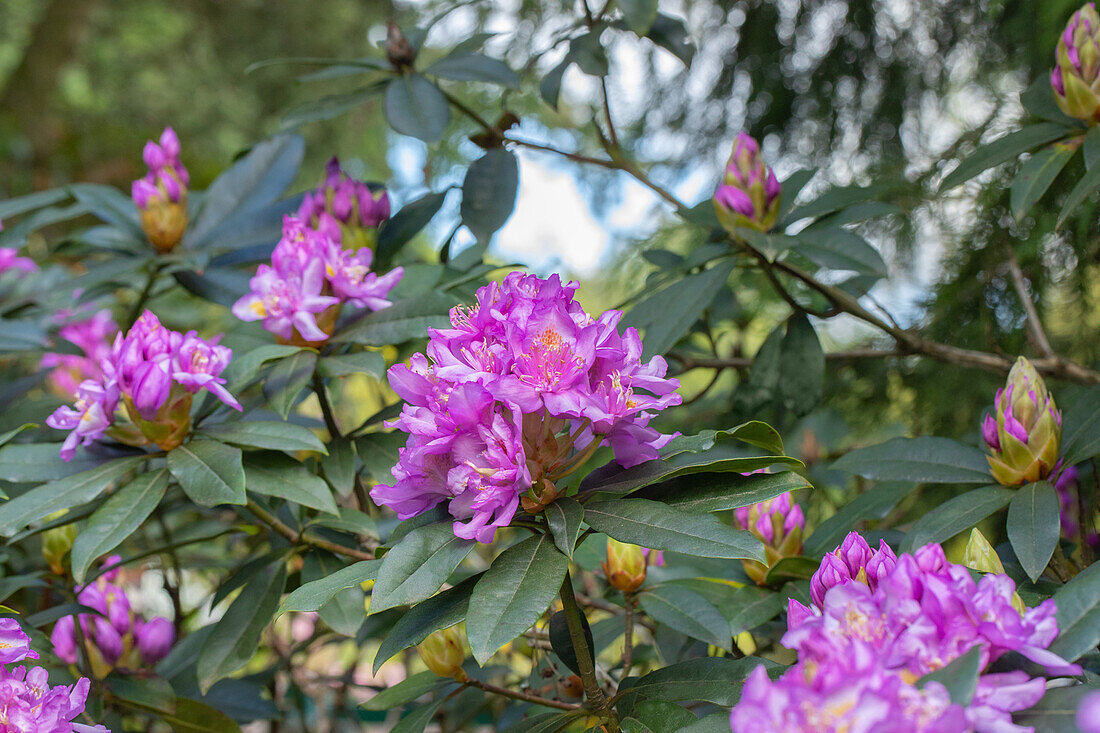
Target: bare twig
{"points": [[296, 538], [517, 695], [1035, 326]]}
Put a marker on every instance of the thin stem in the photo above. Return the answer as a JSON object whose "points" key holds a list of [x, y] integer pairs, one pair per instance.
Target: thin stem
{"points": [[628, 637], [172, 588], [143, 298], [326, 407], [1035, 326], [585, 658], [296, 538], [157, 551], [607, 113], [516, 695]]}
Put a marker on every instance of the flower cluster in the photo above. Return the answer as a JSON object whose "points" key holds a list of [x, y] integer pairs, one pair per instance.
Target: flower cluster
{"points": [[93, 337], [120, 637], [10, 259], [778, 523], [152, 372], [161, 194], [519, 393], [27, 702], [749, 195], [299, 295], [1076, 77], [350, 204], [1025, 432], [861, 649], [853, 560]]}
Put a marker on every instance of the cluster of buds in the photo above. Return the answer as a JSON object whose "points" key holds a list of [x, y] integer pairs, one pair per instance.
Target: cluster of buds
{"points": [[443, 652], [300, 294], [854, 560], [749, 195], [118, 638], [626, 564], [778, 523], [1025, 431], [1076, 77], [93, 337], [161, 195], [350, 204], [10, 259], [151, 374]]}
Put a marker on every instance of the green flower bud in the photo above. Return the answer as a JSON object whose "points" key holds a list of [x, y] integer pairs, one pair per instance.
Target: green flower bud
{"points": [[625, 568], [1025, 432], [444, 652], [1076, 77]]}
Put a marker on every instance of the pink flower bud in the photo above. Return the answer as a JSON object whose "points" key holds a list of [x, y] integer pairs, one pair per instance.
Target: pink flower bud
{"points": [[155, 639]]}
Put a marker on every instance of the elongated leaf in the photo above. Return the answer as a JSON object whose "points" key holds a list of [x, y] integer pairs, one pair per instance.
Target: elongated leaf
{"points": [[687, 612], [32, 462], [30, 202], [751, 607], [1002, 150], [210, 473], [1057, 711], [639, 14], [396, 231], [1087, 184], [1033, 526], [61, 494], [753, 432], [924, 460], [960, 677], [835, 199], [956, 515], [802, 367], [402, 321], [1091, 147], [562, 642], [660, 527], [276, 474], [404, 691], [415, 107], [712, 679], [471, 66], [564, 517], [236, 636], [873, 504], [312, 596], [418, 565], [715, 492], [791, 568], [339, 466], [441, 611], [192, 716], [550, 86], [489, 192], [1036, 175], [266, 434], [1078, 614], [117, 519], [110, 205], [359, 362], [417, 720], [346, 612], [1081, 435], [287, 380], [329, 106], [513, 593], [839, 249], [246, 367]]}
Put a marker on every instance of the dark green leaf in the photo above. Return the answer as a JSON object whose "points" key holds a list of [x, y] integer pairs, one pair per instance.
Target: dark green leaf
{"points": [[246, 367], [660, 527], [1086, 184], [1081, 435], [339, 466], [417, 720], [329, 106], [288, 379], [236, 635], [6, 438], [414, 106], [396, 231], [61, 494], [791, 568], [267, 434], [404, 691], [714, 723], [34, 462], [312, 596], [151, 692], [639, 14], [753, 432], [191, 716], [873, 504], [751, 607], [1038, 100], [345, 612], [16, 336], [550, 86], [669, 33], [402, 321], [1002, 150], [835, 199], [923, 460], [513, 593], [110, 205], [588, 54], [277, 474], [1057, 711], [714, 492], [117, 519], [1033, 526], [415, 568], [562, 642], [1078, 614], [960, 677], [30, 202], [687, 612], [712, 679], [489, 192], [802, 367], [359, 362], [1036, 175], [956, 515], [1091, 147], [210, 473], [441, 611], [839, 249], [470, 66], [564, 517]]}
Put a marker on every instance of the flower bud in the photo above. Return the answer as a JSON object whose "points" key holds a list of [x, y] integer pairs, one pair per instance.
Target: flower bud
{"points": [[154, 639], [63, 638], [1076, 75], [1026, 431], [745, 643], [778, 523], [56, 544], [749, 195], [625, 568], [346, 209], [161, 195], [855, 561], [443, 652]]}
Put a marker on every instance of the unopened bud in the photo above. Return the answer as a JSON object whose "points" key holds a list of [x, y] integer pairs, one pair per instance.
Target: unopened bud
{"points": [[164, 223], [625, 568], [1076, 75], [750, 194], [1025, 433], [56, 544], [745, 643], [443, 653]]}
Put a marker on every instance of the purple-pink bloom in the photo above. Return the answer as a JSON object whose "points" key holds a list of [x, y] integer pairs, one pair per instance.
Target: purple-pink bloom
{"points": [[154, 639], [1088, 713], [198, 363], [348, 201], [853, 560], [93, 336], [167, 178], [88, 419], [15, 645]]}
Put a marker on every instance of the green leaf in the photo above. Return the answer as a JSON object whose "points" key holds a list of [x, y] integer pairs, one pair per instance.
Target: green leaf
{"points": [[513, 593], [277, 474], [751, 607], [1036, 175], [489, 192], [564, 517], [441, 611], [1078, 614], [415, 107], [687, 612], [417, 720], [589, 55], [396, 231], [711, 679], [667, 315], [339, 466], [345, 612], [1038, 100], [1081, 434], [312, 596], [1086, 184], [358, 362], [658, 715], [839, 249], [669, 33], [639, 14], [210, 473], [404, 691], [1056, 712], [1002, 150], [266, 434], [715, 492], [191, 716], [873, 504], [30, 202], [925, 460], [802, 367], [1033, 526], [34, 462], [960, 677], [286, 381], [660, 527], [61, 494], [562, 643], [470, 66], [718, 722], [328, 106], [956, 515], [110, 205], [753, 432], [791, 568], [350, 520], [236, 635], [418, 565], [401, 322], [1091, 147], [6, 438], [117, 519], [150, 692], [550, 86], [245, 368]]}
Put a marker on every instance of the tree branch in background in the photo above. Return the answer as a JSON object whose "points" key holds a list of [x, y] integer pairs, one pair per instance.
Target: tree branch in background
{"points": [[296, 538], [1034, 325]]}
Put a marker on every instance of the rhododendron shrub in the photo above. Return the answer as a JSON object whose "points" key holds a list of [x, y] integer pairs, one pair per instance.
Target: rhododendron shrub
{"points": [[260, 439]]}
